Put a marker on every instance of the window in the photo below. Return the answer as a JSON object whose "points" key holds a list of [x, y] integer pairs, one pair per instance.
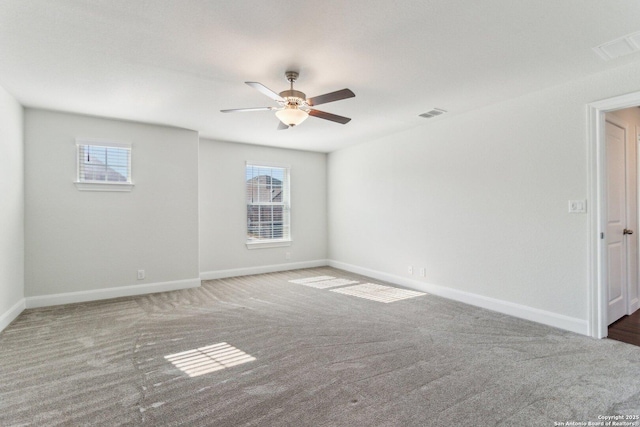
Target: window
{"points": [[268, 206], [103, 166]]}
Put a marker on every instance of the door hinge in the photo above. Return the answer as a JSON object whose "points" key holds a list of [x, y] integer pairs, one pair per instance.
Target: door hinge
{"points": [[602, 235]]}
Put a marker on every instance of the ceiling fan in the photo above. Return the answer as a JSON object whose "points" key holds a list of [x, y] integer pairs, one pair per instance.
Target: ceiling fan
{"points": [[294, 107]]}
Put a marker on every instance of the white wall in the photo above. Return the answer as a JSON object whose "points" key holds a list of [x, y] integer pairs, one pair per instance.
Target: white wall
{"points": [[481, 201], [11, 209], [91, 242], [223, 210]]}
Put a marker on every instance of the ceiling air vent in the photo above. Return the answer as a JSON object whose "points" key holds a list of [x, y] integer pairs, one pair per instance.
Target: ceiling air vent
{"points": [[619, 47], [433, 113]]}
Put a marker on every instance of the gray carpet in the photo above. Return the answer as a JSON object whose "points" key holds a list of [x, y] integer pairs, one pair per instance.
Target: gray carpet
{"points": [[321, 359]]}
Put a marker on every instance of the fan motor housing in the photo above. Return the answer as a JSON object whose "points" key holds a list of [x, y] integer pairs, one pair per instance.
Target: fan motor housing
{"points": [[291, 93], [294, 97]]}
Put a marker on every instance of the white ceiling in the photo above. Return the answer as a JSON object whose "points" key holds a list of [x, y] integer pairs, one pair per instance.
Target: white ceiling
{"points": [[180, 62]]}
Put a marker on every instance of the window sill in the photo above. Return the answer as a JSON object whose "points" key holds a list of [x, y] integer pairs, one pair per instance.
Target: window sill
{"points": [[103, 186], [268, 244]]}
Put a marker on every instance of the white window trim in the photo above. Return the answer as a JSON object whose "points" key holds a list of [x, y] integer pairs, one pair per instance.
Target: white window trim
{"points": [[101, 185], [268, 244], [265, 244]]}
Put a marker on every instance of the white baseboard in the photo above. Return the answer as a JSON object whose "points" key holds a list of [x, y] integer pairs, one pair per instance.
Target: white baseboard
{"points": [[108, 293], [221, 274], [9, 316], [560, 321]]}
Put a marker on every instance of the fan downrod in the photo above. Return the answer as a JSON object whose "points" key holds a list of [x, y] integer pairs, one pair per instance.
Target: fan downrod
{"points": [[291, 76], [294, 98]]}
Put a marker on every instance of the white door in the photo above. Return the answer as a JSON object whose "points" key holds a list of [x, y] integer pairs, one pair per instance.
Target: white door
{"points": [[615, 237]]}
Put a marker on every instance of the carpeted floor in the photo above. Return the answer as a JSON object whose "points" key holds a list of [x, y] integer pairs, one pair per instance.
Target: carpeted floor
{"points": [[298, 355]]}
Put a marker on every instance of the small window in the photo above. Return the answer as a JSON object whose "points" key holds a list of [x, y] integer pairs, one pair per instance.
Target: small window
{"points": [[268, 206], [103, 166]]}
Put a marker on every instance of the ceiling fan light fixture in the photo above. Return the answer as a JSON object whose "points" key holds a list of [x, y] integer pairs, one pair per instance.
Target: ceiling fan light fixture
{"points": [[292, 116], [293, 105]]}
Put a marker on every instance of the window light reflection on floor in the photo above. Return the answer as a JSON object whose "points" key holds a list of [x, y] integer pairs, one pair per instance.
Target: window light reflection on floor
{"points": [[311, 279], [376, 292], [331, 283], [208, 359]]}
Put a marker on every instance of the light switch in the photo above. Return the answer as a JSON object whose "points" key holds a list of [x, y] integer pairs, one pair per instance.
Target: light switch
{"points": [[577, 206]]}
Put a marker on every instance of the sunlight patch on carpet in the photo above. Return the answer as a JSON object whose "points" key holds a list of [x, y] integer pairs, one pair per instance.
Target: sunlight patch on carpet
{"points": [[208, 359], [324, 284], [379, 293], [311, 279]]}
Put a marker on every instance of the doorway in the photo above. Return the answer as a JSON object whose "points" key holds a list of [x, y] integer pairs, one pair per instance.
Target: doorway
{"points": [[613, 217], [621, 255]]}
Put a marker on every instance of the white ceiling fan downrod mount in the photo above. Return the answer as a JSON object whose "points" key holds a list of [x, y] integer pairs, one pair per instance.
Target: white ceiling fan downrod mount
{"points": [[294, 98]]}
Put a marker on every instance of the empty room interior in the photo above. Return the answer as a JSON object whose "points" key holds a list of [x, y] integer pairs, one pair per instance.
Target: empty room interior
{"points": [[417, 213]]}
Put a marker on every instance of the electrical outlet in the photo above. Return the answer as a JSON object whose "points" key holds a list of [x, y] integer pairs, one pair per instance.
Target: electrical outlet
{"points": [[141, 274], [287, 255], [423, 272], [410, 269]]}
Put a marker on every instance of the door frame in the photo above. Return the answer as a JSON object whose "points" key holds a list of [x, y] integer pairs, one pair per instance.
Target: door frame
{"points": [[597, 279]]}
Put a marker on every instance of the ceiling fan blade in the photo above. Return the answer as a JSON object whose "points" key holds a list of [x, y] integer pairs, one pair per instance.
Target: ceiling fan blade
{"points": [[330, 97], [282, 126], [329, 116], [265, 90], [244, 110]]}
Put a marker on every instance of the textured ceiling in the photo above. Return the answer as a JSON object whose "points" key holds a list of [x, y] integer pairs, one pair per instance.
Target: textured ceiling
{"points": [[179, 63]]}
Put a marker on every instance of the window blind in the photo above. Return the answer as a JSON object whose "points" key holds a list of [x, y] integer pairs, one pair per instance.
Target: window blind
{"points": [[104, 163], [268, 203]]}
